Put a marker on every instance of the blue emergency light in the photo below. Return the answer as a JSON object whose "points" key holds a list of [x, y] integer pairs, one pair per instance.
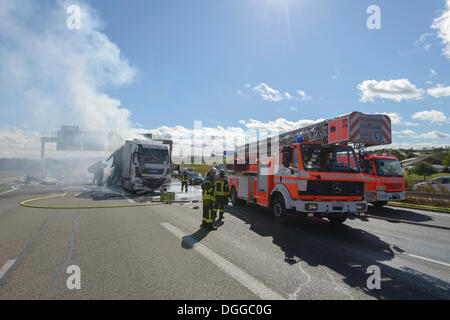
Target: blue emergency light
{"points": [[299, 138]]}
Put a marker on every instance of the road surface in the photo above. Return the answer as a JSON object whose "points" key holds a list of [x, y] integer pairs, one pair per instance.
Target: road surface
{"points": [[160, 252]]}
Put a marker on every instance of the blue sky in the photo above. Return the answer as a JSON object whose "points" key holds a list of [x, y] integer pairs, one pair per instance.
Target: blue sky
{"points": [[192, 57], [230, 63]]}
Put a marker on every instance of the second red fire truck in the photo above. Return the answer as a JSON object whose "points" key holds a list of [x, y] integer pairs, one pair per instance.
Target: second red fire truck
{"points": [[383, 177]]}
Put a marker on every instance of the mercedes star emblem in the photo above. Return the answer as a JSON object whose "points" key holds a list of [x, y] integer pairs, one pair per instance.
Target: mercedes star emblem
{"points": [[336, 187]]}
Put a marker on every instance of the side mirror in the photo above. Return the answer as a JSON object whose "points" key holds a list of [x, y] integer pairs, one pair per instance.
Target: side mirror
{"points": [[287, 155]]}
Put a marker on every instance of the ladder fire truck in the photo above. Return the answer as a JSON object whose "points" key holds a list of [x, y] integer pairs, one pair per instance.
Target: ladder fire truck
{"points": [[311, 171]]}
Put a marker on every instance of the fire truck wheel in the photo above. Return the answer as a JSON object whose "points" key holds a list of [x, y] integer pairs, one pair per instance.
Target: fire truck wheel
{"points": [[380, 203], [279, 210], [337, 220]]}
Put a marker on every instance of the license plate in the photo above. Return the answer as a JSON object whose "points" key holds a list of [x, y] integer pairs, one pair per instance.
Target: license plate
{"points": [[338, 204]]}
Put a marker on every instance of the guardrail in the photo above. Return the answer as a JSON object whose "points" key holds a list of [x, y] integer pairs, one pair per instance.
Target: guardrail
{"points": [[10, 180], [428, 195]]}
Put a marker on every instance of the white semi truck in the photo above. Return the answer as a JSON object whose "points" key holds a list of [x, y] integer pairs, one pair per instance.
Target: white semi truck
{"points": [[142, 166]]}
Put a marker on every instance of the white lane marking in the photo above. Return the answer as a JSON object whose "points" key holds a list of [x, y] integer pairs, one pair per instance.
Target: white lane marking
{"points": [[6, 267], [251, 283], [8, 191], [426, 259]]}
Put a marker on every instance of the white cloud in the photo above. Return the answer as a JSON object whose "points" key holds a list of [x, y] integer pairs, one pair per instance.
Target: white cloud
{"points": [[287, 95], [268, 93], [428, 135], [407, 132], [303, 95], [432, 73], [415, 145], [280, 124], [411, 124], [19, 143], [395, 117], [439, 91], [293, 108], [442, 24], [397, 90], [422, 43], [434, 135], [430, 115], [55, 75]]}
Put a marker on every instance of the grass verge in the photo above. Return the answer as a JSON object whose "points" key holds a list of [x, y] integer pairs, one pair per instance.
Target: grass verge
{"points": [[419, 206]]}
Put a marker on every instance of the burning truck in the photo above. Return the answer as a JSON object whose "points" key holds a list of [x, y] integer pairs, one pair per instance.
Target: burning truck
{"points": [[141, 166]]}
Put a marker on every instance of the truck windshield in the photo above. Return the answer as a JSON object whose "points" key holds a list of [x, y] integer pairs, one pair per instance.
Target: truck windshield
{"points": [[155, 156], [329, 158], [388, 168]]}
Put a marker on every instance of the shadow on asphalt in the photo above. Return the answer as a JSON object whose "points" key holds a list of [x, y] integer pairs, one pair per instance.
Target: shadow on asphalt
{"points": [[398, 213], [189, 241], [346, 250]]}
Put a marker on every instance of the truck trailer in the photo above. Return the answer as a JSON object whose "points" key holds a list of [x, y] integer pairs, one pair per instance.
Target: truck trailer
{"points": [[313, 171], [142, 166]]}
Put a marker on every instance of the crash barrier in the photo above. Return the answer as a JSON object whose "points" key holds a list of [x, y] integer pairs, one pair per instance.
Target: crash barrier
{"points": [[428, 195]]}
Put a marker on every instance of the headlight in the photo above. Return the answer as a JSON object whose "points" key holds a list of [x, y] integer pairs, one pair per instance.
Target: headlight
{"points": [[311, 206], [380, 188], [360, 207]]}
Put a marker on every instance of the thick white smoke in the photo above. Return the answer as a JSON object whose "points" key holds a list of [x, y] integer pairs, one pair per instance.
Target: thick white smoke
{"points": [[53, 75]]}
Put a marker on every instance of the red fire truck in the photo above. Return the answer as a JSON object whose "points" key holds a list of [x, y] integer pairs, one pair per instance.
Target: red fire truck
{"points": [[311, 171], [383, 177]]}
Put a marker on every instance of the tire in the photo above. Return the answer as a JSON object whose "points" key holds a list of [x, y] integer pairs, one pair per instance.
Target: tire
{"points": [[234, 198], [337, 220], [279, 210], [380, 203]]}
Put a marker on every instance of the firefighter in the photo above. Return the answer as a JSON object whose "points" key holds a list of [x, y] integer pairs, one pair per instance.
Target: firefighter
{"points": [[208, 200], [99, 174], [184, 180], [221, 193]]}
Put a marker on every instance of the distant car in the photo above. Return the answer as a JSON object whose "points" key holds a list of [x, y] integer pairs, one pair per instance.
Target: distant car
{"points": [[195, 178], [443, 181]]}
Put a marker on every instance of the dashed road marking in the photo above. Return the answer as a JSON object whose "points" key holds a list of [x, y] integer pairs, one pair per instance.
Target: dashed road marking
{"points": [[6, 267], [16, 262], [426, 259], [248, 281]]}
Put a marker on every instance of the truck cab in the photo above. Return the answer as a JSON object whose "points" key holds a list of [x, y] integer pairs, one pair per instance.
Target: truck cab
{"points": [[328, 178], [146, 166], [383, 177]]}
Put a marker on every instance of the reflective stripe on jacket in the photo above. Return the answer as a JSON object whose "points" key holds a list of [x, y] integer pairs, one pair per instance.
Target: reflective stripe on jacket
{"points": [[208, 189], [221, 187]]}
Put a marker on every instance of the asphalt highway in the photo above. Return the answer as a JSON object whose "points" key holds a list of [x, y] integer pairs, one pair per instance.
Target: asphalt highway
{"points": [[160, 251]]}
